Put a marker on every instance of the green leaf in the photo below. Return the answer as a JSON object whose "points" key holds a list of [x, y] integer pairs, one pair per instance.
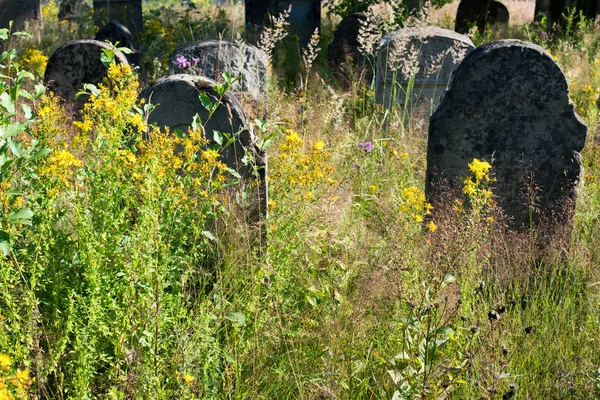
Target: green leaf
{"points": [[449, 278], [22, 216], [209, 235], [205, 100], [12, 130], [236, 317], [218, 137], [16, 148], [107, 56], [27, 111], [4, 34], [125, 50], [7, 102], [4, 242]]}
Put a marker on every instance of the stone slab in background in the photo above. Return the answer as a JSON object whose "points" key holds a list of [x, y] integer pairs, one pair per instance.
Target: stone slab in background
{"points": [[428, 54], [482, 13], [129, 12], [115, 32], [177, 100], [213, 57], [76, 63], [345, 43], [19, 11], [509, 105]]}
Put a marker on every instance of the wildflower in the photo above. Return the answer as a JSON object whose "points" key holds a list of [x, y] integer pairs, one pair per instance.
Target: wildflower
{"points": [[195, 61], [356, 165], [4, 362], [544, 34], [366, 146], [187, 378], [320, 145], [404, 155], [431, 226], [182, 63], [373, 188]]}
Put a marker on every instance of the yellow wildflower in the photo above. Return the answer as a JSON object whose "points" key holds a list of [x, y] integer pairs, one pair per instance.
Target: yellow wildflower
{"points": [[187, 378], [431, 226], [4, 362]]}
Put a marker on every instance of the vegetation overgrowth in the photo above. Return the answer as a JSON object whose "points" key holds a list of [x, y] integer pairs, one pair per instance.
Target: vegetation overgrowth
{"points": [[128, 272]]}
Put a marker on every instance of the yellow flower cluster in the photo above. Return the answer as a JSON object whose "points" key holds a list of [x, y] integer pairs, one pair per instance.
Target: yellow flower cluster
{"points": [[299, 169], [476, 184], [16, 385], [414, 204], [33, 61]]}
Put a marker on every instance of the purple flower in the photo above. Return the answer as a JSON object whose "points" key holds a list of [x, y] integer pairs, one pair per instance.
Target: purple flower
{"points": [[182, 63], [356, 165], [195, 61], [544, 34], [366, 146]]}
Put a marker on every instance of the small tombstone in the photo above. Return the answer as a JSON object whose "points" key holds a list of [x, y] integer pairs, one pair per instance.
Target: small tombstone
{"points": [[177, 100], [211, 58], [480, 13], [68, 9], [304, 18], [423, 57], [115, 32], [345, 43], [509, 105], [19, 11], [129, 12], [76, 63]]}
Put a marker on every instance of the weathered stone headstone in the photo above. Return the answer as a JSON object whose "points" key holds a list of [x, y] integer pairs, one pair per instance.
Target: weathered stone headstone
{"points": [[304, 17], [115, 32], [345, 43], [19, 11], [481, 13], [555, 9], [211, 58], [76, 63], [424, 57], [509, 105], [129, 12], [177, 100], [68, 9]]}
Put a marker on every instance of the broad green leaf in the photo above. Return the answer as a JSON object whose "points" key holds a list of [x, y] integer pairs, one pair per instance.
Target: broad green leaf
{"points": [[236, 317], [4, 34], [218, 137], [12, 130], [22, 216], [16, 148], [7, 102], [205, 100], [209, 235]]}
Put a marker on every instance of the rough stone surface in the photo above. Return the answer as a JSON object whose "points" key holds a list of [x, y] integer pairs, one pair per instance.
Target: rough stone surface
{"points": [[304, 17], [177, 101], [213, 57], [480, 12], [345, 42], [509, 105], [19, 11], [129, 12], [68, 9], [115, 32], [76, 63], [433, 53]]}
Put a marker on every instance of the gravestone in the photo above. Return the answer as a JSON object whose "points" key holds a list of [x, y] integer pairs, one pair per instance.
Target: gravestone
{"points": [[177, 100], [553, 10], [19, 11], [424, 57], [481, 13], [211, 58], [509, 105], [68, 9], [345, 43], [76, 63], [129, 12], [304, 18], [115, 32]]}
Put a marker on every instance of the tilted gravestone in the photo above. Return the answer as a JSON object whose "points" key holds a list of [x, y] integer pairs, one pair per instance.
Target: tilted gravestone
{"points": [[115, 32], [76, 63], [129, 12], [414, 65], [509, 105], [304, 18], [177, 100], [19, 11], [345, 43], [211, 58], [480, 13]]}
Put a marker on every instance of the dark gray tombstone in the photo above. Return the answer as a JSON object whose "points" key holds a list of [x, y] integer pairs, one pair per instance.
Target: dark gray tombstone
{"points": [[74, 64], [509, 105], [177, 100], [68, 9], [345, 43], [129, 12], [211, 58], [115, 32], [424, 57], [554, 10], [481, 13], [304, 18], [19, 11]]}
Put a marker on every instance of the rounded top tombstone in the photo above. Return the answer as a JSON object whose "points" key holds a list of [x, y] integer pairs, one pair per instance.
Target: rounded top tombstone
{"points": [[426, 56], [508, 104], [213, 57], [76, 63]]}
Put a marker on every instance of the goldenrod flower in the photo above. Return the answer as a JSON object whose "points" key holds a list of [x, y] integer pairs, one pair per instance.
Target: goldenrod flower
{"points": [[4, 362]]}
